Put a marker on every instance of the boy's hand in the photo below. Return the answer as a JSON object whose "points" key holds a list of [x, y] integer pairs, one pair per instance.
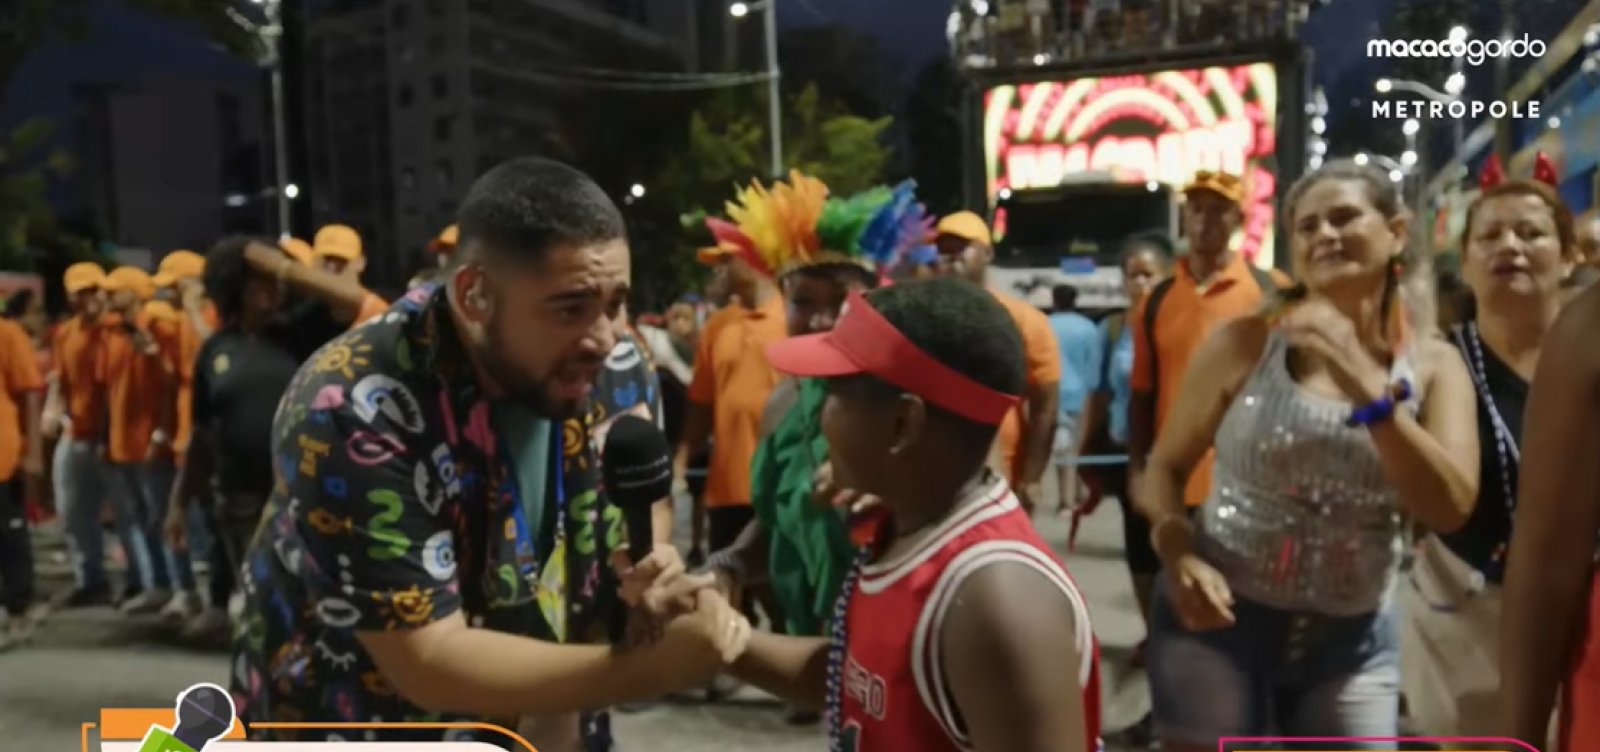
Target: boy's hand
{"points": [[643, 583]]}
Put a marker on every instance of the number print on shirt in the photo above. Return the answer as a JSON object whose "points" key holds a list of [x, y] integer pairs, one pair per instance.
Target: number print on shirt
{"points": [[388, 543]]}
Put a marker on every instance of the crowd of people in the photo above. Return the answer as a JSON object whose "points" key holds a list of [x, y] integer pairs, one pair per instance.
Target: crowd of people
{"points": [[404, 516]]}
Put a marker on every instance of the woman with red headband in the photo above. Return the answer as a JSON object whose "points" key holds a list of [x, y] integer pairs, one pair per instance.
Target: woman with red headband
{"points": [[1516, 250], [1331, 427]]}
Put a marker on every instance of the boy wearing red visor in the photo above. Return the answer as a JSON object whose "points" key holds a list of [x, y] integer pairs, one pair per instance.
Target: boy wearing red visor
{"points": [[957, 628]]}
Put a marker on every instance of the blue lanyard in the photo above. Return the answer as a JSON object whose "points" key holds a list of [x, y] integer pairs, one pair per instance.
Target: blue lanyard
{"points": [[528, 563]]}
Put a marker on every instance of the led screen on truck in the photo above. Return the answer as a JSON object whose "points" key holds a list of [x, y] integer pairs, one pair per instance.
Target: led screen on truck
{"points": [[1157, 126]]}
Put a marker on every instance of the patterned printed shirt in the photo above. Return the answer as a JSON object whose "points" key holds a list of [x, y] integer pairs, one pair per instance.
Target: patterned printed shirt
{"points": [[394, 508]]}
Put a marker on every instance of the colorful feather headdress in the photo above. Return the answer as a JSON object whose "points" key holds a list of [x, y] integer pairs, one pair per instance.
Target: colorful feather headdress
{"points": [[769, 226], [795, 225], [1544, 171]]}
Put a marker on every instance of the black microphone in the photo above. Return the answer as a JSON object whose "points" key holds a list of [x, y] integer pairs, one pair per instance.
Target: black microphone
{"points": [[636, 466], [205, 712]]}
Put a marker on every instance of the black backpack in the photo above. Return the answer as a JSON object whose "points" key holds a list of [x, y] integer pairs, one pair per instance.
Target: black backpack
{"points": [[1152, 308]]}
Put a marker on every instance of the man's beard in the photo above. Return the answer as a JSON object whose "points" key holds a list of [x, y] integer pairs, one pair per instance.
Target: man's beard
{"points": [[517, 387]]}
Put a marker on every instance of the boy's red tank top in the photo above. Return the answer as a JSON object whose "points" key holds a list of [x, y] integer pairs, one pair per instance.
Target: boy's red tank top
{"points": [[894, 692]]}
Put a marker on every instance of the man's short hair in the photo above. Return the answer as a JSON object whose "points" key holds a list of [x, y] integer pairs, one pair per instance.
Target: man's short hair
{"points": [[226, 274], [1065, 298], [960, 325], [525, 207]]}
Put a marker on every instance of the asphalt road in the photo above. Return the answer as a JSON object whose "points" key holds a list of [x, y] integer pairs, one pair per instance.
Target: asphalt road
{"points": [[84, 660]]}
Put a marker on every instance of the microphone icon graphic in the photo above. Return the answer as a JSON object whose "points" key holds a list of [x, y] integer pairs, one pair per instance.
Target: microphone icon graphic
{"points": [[205, 712]]}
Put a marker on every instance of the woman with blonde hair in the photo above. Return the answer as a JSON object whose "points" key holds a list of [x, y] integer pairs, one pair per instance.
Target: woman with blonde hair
{"points": [[1333, 425], [1517, 249]]}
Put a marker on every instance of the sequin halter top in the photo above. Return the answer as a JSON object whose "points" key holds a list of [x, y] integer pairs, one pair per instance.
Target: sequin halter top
{"points": [[1300, 516]]}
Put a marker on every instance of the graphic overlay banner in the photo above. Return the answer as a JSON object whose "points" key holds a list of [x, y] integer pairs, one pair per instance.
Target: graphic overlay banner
{"points": [[203, 720], [1161, 126], [1371, 744]]}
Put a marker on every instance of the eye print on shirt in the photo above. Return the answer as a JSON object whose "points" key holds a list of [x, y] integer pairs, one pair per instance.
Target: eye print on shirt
{"points": [[433, 494], [439, 556], [378, 393]]}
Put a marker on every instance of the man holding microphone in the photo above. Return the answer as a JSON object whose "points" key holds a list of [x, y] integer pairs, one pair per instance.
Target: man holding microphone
{"points": [[436, 548]]}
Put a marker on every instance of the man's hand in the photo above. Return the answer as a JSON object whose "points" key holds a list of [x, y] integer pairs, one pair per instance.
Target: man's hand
{"points": [[176, 528], [160, 443], [647, 584], [33, 461], [698, 644]]}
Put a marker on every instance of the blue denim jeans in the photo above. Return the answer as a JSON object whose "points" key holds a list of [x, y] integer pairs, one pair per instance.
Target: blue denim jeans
{"points": [[82, 483], [141, 492], [1274, 673]]}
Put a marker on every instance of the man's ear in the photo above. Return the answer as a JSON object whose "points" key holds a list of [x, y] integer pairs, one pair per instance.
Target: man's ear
{"points": [[469, 287]]}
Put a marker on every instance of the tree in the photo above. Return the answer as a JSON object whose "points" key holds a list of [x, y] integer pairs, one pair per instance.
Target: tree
{"points": [[727, 146]]}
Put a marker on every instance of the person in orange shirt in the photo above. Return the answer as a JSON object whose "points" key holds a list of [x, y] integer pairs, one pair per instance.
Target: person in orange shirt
{"points": [[965, 249], [178, 281], [732, 379], [139, 367], [1210, 285], [21, 451], [337, 250], [76, 410]]}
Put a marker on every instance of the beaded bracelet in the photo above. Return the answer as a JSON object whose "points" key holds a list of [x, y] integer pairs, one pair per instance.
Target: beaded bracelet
{"points": [[1381, 409]]}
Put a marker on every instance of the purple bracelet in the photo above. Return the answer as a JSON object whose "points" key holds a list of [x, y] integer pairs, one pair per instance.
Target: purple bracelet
{"points": [[1380, 409]]}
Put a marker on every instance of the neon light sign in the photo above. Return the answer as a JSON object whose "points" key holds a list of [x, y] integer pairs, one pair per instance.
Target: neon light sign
{"points": [[1142, 127]]}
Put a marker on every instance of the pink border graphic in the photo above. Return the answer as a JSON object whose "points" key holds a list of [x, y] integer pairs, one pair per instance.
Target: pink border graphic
{"points": [[1222, 743]]}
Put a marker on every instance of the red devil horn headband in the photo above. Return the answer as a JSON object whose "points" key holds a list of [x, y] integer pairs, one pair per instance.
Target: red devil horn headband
{"points": [[1544, 171], [1492, 174]]}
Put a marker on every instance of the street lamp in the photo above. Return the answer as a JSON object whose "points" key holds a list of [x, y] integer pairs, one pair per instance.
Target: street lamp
{"points": [[637, 190], [291, 191], [1362, 159], [270, 36], [774, 117]]}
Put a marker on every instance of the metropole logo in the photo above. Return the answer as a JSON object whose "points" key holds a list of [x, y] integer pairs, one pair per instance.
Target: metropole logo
{"points": [[1383, 744]]}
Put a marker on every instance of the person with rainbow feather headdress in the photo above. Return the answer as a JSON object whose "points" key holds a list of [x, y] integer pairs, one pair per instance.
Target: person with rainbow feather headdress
{"points": [[800, 549]]}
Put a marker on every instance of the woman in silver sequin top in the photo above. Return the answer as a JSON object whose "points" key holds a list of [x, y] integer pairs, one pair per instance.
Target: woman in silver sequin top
{"points": [[1274, 616]]}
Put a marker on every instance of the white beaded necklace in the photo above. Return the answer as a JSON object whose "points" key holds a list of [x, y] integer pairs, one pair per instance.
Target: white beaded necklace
{"points": [[1505, 442]]}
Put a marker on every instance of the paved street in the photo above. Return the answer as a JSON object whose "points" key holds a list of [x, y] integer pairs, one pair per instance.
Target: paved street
{"points": [[84, 660]]}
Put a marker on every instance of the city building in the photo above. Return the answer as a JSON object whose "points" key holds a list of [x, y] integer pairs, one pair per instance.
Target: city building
{"points": [[407, 101], [171, 162]]}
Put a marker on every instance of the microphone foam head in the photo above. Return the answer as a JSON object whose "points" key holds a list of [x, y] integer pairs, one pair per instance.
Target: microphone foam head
{"points": [[205, 712], [636, 462]]}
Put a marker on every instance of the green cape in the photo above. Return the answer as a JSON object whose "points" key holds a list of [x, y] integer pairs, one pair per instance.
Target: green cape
{"points": [[809, 547]]}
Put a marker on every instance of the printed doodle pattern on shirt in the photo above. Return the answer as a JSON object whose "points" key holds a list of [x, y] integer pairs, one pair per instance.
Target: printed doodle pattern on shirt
{"points": [[392, 512]]}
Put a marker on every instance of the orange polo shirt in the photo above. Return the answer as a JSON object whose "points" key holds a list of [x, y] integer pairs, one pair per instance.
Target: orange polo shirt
{"points": [[19, 375], [138, 390], [733, 378], [1044, 367], [77, 353], [372, 306], [1188, 314]]}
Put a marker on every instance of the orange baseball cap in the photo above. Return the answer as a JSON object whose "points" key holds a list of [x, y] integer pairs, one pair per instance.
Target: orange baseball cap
{"points": [[160, 310], [1224, 184], [179, 265], [966, 225], [298, 249], [338, 241], [83, 275], [446, 242], [130, 278]]}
